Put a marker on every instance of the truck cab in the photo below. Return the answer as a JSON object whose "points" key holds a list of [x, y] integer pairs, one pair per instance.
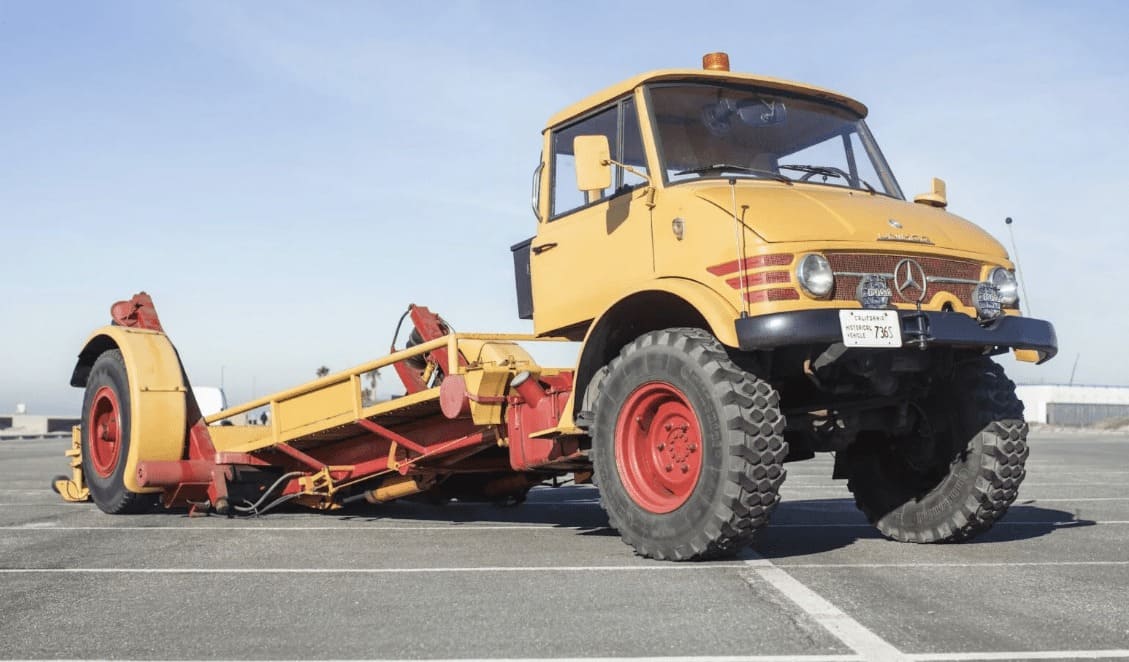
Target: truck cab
{"points": [[754, 207]]}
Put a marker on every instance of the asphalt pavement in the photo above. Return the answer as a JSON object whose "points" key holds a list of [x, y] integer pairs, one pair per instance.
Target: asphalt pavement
{"points": [[548, 579]]}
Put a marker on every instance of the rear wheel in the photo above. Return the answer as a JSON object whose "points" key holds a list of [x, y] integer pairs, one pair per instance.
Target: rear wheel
{"points": [[970, 471], [106, 435], [688, 449]]}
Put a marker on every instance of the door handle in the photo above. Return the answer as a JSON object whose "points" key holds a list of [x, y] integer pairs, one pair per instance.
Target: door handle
{"points": [[537, 250]]}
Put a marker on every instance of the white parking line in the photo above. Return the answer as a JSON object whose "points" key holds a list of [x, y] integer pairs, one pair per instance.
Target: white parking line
{"points": [[1029, 500], [46, 526], [914, 657], [1026, 486], [850, 632], [957, 564], [1080, 483], [665, 567], [864, 525], [1022, 655], [454, 527], [669, 567], [673, 658]]}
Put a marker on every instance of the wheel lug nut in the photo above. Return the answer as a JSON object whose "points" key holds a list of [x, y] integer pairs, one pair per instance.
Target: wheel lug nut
{"points": [[669, 468], [692, 447], [668, 427], [662, 446], [685, 469]]}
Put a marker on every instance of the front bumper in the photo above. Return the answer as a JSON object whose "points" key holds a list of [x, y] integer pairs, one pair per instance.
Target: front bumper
{"points": [[919, 329]]}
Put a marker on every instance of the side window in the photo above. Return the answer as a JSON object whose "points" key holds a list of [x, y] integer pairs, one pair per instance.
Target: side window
{"points": [[566, 196], [630, 149]]}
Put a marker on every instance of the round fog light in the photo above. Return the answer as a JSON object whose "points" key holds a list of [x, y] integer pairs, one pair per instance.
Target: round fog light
{"points": [[873, 292], [986, 298]]}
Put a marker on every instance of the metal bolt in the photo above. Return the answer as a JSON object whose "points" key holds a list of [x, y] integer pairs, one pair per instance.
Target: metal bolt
{"points": [[669, 468], [685, 468], [668, 427], [692, 447], [662, 446]]}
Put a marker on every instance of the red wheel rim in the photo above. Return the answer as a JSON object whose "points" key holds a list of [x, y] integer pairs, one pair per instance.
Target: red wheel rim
{"points": [[658, 447], [105, 433]]}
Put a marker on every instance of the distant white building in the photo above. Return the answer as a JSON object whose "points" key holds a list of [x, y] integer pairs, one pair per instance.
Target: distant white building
{"points": [[36, 424], [1060, 404]]}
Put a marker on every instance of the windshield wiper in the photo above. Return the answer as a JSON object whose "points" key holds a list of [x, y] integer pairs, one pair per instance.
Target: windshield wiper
{"points": [[728, 167], [827, 171]]}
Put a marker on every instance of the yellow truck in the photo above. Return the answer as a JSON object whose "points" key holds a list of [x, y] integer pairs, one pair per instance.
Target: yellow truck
{"points": [[750, 287]]}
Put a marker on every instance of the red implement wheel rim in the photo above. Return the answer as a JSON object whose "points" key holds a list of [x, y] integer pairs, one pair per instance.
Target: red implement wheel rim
{"points": [[658, 447], [105, 431]]}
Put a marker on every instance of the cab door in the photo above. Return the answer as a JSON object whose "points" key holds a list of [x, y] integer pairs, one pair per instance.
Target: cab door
{"points": [[591, 247]]}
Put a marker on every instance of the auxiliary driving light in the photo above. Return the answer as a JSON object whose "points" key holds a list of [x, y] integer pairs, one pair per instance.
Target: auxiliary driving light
{"points": [[1005, 282], [873, 292], [986, 298], [815, 275]]}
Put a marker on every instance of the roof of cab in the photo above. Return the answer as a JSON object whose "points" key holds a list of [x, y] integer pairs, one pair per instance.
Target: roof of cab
{"points": [[623, 87]]}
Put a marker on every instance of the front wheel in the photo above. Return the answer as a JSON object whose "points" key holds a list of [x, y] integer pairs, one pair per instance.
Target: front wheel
{"points": [[969, 475], [688, 449]]}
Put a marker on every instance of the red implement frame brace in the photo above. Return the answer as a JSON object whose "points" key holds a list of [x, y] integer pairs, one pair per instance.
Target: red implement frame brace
{"points": [[430, 327]]}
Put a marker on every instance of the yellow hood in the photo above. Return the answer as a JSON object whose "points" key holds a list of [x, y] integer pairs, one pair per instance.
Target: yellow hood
{"points": [[781, 213]]}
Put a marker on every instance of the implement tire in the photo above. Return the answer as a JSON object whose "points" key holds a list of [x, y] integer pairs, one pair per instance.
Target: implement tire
{"points": [[688, 449], [976, 470], [106, 437]]}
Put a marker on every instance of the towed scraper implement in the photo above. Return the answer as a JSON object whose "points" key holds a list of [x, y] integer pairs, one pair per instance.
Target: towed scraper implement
{"points": [[479, 419]]}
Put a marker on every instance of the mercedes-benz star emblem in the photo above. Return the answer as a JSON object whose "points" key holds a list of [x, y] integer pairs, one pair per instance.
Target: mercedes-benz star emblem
{"points": [[909, 281], [894, 224]]}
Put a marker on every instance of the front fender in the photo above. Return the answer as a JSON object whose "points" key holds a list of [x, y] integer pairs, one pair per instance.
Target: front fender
{"points": [[157, 393], [686, 296], [719, 313]]}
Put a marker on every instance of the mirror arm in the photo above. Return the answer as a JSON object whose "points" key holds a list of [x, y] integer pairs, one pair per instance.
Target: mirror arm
{"points": [[649, 191], [628, 169]]}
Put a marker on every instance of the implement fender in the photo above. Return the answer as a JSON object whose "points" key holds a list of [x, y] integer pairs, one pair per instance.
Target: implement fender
{"points": [[157, 395]]}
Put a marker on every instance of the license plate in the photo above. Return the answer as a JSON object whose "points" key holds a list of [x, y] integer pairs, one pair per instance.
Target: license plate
{"points": [[870, 328]]}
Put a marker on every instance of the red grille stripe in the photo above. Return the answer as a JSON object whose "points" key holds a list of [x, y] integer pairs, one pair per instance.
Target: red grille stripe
{"points": [[762, 278], [756, 262]]}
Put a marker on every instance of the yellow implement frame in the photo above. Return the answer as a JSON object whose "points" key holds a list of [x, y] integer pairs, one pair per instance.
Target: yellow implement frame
{"points": [[335, 400]]}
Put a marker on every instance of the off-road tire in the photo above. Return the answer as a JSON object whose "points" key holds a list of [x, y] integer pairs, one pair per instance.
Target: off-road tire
{"points": [[109, 492], [742, 447], [985, 465]]}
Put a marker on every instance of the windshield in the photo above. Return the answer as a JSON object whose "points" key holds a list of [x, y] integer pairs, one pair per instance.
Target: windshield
{"points": [[706, 130]]}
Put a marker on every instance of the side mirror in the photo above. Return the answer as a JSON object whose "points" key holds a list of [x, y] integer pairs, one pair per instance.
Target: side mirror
{"points": [[935, 198], [593, 163]]}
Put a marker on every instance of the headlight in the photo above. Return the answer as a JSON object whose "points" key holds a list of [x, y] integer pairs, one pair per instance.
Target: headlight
{"points": [[814, 274], [1005, 282]]}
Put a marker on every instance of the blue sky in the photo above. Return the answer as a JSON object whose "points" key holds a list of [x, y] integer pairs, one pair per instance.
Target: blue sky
{"points": [[284, 178]]}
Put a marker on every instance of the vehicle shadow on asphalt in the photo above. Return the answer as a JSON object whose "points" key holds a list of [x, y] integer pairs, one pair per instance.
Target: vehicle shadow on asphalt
{"points": [[798, 527], [569, 507], [810, 526]]}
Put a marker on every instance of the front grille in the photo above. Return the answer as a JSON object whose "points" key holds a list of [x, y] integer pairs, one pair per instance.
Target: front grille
{"points": [[879, 263]]}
